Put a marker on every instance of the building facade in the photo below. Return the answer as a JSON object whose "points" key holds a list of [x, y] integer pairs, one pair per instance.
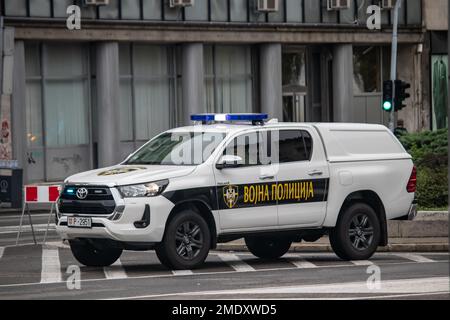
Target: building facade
{"points": [[73, 100]]}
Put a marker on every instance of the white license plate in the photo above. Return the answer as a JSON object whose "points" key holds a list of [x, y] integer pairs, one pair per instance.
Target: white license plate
{"points": [[79, 222]]}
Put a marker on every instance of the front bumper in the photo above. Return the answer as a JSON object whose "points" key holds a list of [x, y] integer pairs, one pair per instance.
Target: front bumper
{"points": [[123, 229]]}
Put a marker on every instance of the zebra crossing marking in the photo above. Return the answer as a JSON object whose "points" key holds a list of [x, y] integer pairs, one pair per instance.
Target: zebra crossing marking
{"points": [[363, 263], [182, 272], [115, 271], [51, 266], [414, 257], [303, 264], [235, 262], [52, 259]]}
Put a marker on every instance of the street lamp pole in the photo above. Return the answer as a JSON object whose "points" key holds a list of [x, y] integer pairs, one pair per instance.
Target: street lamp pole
{"points": [[394, 51]]}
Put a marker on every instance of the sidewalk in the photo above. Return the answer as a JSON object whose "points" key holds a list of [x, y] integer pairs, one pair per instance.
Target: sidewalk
{"points": [[323, 245]]}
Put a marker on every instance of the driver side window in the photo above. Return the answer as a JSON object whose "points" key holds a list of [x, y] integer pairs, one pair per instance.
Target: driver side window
{"points": [[250, 147]]}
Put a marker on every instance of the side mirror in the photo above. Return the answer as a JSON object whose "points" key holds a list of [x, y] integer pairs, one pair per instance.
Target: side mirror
{"points": [[227, 161]]}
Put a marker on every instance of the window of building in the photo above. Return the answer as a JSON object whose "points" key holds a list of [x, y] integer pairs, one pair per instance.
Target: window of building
{"points": [[148, 85], [294, 146], [439, 86], [238, 10], [40, 8], [15, 7], [66, 95], [197, 12], [131, 9], [366, 69], [294, 85], [228, 78], [60, 78], [57, 110], [152, 9]]}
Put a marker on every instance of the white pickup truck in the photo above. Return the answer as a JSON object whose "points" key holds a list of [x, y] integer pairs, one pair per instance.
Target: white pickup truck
{"points": [[240, 176]]}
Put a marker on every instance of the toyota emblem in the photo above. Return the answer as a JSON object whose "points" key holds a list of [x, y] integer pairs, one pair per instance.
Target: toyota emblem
{"points": [[82, 193]]}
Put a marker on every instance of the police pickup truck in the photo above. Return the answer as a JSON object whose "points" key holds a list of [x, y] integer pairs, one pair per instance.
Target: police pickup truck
{"points": [[232, 176]]}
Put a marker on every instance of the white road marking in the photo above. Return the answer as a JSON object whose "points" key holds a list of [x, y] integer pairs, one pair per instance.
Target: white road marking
{"points": [[235, 262], [51, 267], [395, 296], [362, 263], [115, 271], [414, 257], [58, 244], [303, 264], [29, 284], [2, 250], [182, 272], [421, 286]]}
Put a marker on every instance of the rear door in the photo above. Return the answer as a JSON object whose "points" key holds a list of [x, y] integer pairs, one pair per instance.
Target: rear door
{"points": [[302, 179]]}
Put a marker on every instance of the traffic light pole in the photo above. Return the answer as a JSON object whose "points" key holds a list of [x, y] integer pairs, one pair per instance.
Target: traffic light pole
{"points": [[394, 51]]}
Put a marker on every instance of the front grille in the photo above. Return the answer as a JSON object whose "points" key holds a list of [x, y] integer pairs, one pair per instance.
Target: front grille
{"points": [[94, 193], [98, 201]]}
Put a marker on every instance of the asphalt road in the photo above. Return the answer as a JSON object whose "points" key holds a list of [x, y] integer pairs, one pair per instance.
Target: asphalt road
{"points": [[40, 272], [9, 225]]}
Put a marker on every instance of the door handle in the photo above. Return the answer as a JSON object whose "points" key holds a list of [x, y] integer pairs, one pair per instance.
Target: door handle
{"points": [[266, 178], [315, 173]]}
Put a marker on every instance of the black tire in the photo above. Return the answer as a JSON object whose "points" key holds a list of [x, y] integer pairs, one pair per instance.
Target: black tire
{"points": [[357, 233], [91, 256], [268, 248], [186, 242]]}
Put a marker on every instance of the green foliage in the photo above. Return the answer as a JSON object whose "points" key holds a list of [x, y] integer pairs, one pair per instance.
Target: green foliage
{"points": [[426, 147], [432, 187], [430, 154]]}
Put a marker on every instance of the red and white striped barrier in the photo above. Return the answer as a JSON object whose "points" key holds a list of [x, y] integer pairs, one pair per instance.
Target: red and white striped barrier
{"points": [[35, 194], [41, 194]]}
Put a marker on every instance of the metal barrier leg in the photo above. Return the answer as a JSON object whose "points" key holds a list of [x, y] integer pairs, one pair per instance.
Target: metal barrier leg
{"points": [[21, 223], [48, 223], [31, 224]]}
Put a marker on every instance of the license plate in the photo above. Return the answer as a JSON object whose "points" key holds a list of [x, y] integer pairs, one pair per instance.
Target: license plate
{"points": [[79, 222]]}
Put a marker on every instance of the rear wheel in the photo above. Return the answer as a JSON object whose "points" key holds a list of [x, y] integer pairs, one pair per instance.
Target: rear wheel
{"points": [[268, 247], [186, 242], [94, 256], [357, 233]]}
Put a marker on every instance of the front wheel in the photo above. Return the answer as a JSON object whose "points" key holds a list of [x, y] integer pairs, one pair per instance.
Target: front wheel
{"points": [[269, 248], [92, 256], [357, 233], [186, 242]]}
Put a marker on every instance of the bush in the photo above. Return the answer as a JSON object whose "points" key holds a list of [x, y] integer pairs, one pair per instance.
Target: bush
{"points": [[432, 187], [430, 154], [427, 145]]}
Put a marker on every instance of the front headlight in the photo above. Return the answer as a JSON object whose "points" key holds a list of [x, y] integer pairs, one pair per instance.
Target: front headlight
{"points": [[151, 189]]}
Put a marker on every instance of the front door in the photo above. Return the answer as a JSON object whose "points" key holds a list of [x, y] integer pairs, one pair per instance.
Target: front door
{"points": [[302, 180], [244, 193]]}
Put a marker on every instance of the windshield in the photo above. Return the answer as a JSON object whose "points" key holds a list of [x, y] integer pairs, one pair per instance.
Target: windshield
{"points": [[178, 149]]}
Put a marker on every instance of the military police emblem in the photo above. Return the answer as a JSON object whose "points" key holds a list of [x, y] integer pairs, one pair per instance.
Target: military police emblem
{"points": [[230, 195]]}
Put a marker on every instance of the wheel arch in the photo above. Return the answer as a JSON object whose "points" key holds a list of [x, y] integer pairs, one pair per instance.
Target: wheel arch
{"points": [[372, 199], [202, 209]]}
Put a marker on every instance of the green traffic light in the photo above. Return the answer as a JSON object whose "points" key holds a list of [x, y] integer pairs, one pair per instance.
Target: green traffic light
{"points": [[387, 106]]}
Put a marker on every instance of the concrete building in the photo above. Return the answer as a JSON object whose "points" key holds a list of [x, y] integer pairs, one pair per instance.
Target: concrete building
{"points": [[79, 99]]}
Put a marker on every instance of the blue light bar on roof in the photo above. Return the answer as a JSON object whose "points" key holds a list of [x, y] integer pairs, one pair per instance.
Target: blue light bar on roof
{"points": [[208, 117]]}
